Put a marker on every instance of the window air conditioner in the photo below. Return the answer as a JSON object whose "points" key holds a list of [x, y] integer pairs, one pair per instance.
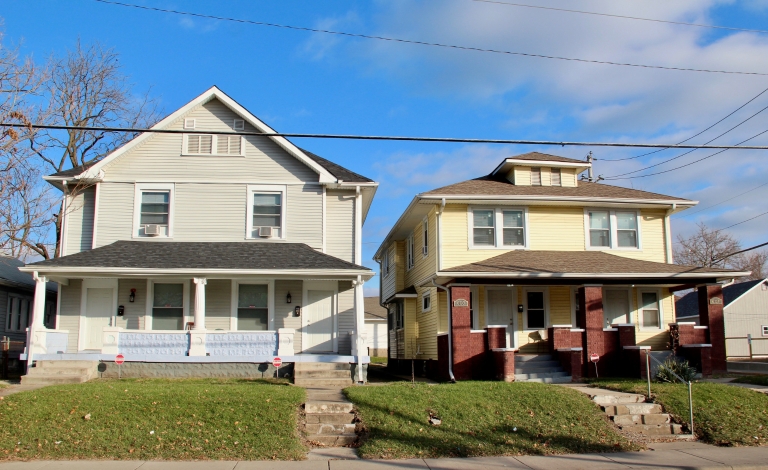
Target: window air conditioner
{"points": [[425, 250], [265, 231], [152, 230]]}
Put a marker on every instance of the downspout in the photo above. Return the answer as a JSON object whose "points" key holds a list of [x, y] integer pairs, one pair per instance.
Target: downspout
{"points": [[450, 328], [668, 232]]}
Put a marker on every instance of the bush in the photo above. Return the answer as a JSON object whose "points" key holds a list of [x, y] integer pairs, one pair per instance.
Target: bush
{"points": [[672, 366]]}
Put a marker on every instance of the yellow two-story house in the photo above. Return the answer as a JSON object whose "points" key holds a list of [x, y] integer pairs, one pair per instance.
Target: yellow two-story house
{"points": [[534, 262]]}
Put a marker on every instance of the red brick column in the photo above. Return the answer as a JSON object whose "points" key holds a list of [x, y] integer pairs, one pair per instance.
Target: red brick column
{"points": [[627, 335], [711, 315], [591, 317], [497, 337], [504, 360], [460, 334]]}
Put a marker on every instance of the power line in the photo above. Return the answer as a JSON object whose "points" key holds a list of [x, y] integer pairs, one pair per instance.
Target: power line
{"points": [[744, 221], [739, 252], [689, 138], [390, 138], [690, 151], [426, 43], [686, 213], [698, 25]]}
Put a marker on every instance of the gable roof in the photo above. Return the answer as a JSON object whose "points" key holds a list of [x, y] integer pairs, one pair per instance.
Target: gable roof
{"points": [[688, 305], [374, 311], [341, 173], [11, 276], [325, 176]]}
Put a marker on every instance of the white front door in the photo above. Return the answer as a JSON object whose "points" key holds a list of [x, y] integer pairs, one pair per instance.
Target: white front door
{"points": [[616, 306], [318, 321], [98, 314], [501, 311]]}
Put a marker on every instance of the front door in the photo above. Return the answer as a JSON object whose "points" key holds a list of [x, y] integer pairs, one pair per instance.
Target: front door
{"points": [[501, 311], [318, 318], [616, 306], [98, 314]]}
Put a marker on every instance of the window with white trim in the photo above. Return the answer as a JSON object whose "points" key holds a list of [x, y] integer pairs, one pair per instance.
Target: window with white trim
{"points": [[498, 227], [474, 319], [535, 312], [409, 252], [252, 307], [168, 306], [555, 177], [266, 212], [153, 216], [49, 318], [212, 144], [189, 123], [535, 176], [17, 317], [649, 312], [425, 237], [238, 125], [397, 312], [612, 229], [385, 262], [765, 330], [426, 301]]}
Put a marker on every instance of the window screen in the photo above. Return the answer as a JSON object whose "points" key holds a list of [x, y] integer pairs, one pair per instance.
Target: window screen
{"points": [[267, 212], [650, 310], [599, 228], [626, 229], [155, 207], [513, 228], [252, 311], [168, 307], [483, 232]]}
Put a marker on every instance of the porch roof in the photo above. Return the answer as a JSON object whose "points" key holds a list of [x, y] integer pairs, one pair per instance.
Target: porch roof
{"points": [[201, 257], [582, 265]]}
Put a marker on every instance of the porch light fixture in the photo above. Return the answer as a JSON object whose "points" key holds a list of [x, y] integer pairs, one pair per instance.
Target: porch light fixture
{"points": [[132, 296], [288, 298]]}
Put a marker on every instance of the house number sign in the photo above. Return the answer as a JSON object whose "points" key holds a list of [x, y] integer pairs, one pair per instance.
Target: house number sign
{"points": [[460, 303], [715, 301]]}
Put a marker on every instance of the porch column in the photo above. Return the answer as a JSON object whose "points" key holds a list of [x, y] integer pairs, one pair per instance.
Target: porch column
{"points": [[590, 317], [200, 283], [38, 307], [711, 315], [461, 338], [359, 327]]}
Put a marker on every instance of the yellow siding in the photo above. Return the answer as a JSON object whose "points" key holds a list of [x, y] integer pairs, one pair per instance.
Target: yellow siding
{"points": [[546, 176], [556, 228], [568, 177], [411, 327], [423, 265], [426, 322], [481, 306], [522, 176], [560, 305], [442, 300], [652, 237]]}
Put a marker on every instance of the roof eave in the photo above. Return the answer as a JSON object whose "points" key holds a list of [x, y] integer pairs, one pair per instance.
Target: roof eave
{"points": [[548, 163], [63, 270], [598, 200], [542, 275]]}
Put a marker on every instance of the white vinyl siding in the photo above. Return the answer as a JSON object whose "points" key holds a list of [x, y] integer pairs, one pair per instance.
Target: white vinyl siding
{"points": [[340, 224], [346, 321], [80, 217], [284, 312], [69, 312]]}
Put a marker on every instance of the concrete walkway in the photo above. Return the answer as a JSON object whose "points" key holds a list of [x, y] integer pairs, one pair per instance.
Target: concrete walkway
{"points": [[682, 455], [16, 388], [730, 381]]}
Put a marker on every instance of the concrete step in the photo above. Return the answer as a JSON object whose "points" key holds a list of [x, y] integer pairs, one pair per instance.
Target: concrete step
{"points": [[552, 380], [537, 370], [35, 371], [321, 366], [617, 398], [330, 429], [632, 409], [655, 429], [323, 374], [331, 440], [536, 364], [67, 364], [322, 382], [541, 375], [329, 418], [325, 407], [655, 419], [519, 358], [52, 379]]}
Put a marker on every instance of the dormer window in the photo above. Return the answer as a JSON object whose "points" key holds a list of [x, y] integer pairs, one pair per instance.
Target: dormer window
{"points": [[555, 177], [535, 176]]}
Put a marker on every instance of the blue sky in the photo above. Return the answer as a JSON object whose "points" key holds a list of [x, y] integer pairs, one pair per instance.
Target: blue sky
{"points": [[310, 82]]}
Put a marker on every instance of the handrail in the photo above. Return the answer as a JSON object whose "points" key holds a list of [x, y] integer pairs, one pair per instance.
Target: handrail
{"points": [[648, 359]]}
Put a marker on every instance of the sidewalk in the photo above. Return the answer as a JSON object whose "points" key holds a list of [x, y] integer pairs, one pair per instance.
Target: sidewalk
{"points": [[682, 455]]}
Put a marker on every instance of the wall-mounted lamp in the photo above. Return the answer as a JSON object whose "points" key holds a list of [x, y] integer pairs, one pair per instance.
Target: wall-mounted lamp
{"points": [[132, 296], [288, 298], [297, 311], [520, 308]]}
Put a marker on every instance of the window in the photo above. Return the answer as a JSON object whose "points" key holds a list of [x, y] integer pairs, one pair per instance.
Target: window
{"points": [[535, 176], [199, 144], [482, 227], [426, 302], [228, 145], [398, 315], [168, 307], [252, 308], [238, 125], [266, 212], [409, 252], [153, 216], [49, 318], [765, 330], [189, 123], [535, 313], [385, 262], [17, 318], [425, 237], [612, 229], [498, 227], [616, 306], [556, 177], [209, 144], [650, 313], [473, 317]]}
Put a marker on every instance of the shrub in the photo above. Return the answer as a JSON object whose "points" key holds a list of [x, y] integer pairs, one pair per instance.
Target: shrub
{"points": [[671, 366]]}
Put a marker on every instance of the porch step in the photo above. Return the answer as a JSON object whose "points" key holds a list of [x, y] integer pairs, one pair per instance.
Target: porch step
{"points": [[60, 372], [542, 368], [652, 419], [632, 409], [322, 382], [39, 371], [329, 420], [308, 366], [66, 364], [528, 358], [324, 374], [536, 365], [52, 379], [550, 380], [541, 375]]}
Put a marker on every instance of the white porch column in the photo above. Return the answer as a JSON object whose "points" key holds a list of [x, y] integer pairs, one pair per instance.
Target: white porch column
{"points": [[38, 307], [200, 283], [359, 327]]}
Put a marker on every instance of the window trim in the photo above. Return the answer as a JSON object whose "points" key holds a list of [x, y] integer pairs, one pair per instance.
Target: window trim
{"points": [[639, 309], [612, 230], [410, 260], [266, 189], [189, 123], [574, 306], [498, 226], [385, 268], [425, 237], [235, 124], [12, 295], [140, 188], [474, 307], [185, 303], [545, 291], [214, 147], [234, 298], [764, 329], [426, 295], [630, 312]]}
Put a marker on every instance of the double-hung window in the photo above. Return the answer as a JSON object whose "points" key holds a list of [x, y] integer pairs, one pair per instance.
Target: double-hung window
{"points": [[536, 313], [765, 330], [649, 312], [17, 317], [266, 212], [409, 252], [252, 307], [612, 229], [385, 262], [153, 210], [168, 306], [426, 302], [555, 177], [498, 227]]}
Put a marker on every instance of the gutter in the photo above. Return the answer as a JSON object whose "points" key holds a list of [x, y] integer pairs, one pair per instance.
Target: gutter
{"points": [[450, 330], [589, 275], [329, 274]]}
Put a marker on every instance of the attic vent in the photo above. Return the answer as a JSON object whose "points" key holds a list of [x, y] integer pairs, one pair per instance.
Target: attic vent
{"points": [[556, 179], [199, 143], [238, 125], [189, 124], [228, 145], [535, 176]]}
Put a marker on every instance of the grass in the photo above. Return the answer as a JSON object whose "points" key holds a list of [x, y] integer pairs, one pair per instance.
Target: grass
{"points": [[378, 360], [722, 414], [480, 419], [153, 419], [753, 379]]}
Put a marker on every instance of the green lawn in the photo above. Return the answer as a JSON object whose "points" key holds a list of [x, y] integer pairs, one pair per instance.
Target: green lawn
{"points": [[753, 379], [480, 418], [722, 414], [153, 419], [378, 360]]}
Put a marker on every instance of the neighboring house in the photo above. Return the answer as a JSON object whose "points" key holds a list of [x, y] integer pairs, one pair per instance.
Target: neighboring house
{"points": [[499, 261], [745, 307], [376, 327], [250, 243], [17, 290]]}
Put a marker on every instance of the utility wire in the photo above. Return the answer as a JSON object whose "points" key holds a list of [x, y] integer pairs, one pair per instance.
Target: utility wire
{"points": [[390, 138], [687, 213], [739, 252], [425, 43], [690, 151], [689, 138], [744, 221], [698, 25]]}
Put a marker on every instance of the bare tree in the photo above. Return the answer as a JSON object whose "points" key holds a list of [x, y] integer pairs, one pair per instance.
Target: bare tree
{"points": [[711, 248]]}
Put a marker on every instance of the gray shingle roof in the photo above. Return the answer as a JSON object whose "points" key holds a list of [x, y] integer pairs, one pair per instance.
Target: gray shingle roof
{"points": [[73, 171], [336, 170], [9, 272], [545, 157], [201, 255], [374, 311], [688, 305]]}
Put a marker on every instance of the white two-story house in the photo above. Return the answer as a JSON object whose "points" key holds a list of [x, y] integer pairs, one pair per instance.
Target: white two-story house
{"points": [[207, 243]]}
